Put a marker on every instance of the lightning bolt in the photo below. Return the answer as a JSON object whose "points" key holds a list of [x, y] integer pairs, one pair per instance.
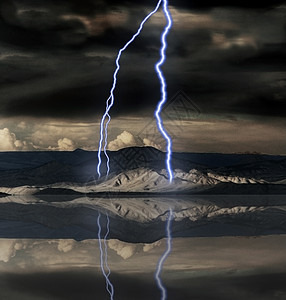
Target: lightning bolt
{"points": [[105, 146], [164, 256], [163, 90], [110, 100], [103, 256]]}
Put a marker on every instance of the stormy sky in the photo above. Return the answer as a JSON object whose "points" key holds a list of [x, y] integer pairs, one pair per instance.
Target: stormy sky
{"points": [[57, 60]]}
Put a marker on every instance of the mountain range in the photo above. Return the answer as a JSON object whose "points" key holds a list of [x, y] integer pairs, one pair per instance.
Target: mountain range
{"points": [[140, 170]]}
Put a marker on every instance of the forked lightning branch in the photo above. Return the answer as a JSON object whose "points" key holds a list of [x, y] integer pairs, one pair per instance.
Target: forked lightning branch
{"points": [[110, 101], [104, 140]]}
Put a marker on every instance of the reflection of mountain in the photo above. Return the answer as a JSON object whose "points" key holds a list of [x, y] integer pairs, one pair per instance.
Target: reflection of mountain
{"points": [[141, 219], [141, 169]]}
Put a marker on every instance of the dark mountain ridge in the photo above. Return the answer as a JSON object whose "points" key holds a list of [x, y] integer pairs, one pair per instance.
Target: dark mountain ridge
{"points": [[79, 166]]}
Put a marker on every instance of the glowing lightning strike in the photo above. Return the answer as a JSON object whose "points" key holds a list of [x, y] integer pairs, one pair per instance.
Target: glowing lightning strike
{"points": [[103, 261], [105, 145], [163, 89], [164, 257], [110, 100]]}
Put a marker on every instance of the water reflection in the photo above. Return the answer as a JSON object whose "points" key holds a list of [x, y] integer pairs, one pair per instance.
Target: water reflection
{"points": [[66, 269], [49, 247], [141, 219]]}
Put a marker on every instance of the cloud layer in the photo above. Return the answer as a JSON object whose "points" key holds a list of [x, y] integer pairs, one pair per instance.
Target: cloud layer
{"points": [[57, 58]]}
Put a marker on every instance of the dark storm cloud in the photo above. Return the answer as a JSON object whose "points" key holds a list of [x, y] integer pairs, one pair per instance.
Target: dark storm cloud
{"points": [[57, 57], [33, 26], [270, 57], [224, 3], [57, 60], [234, 61]]}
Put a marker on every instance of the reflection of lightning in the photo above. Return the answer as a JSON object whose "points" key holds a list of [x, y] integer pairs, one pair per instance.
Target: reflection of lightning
{"points": [[108, 286], [163, 89], [110, 100], [103, 257], [164, 257]]}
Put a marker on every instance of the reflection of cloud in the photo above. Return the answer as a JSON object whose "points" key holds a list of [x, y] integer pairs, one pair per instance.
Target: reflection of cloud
{"points": [[148, 247], [65, 245], [125, 250], [8, 249], [207, 255]]}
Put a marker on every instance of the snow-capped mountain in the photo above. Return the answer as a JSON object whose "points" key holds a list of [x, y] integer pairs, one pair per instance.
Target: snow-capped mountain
{"points": [[140, 170], [141, 180]]}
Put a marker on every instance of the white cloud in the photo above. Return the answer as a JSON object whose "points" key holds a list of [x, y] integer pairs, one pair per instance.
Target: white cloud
{"points": [[52, 136], [9, 142], [22, 125], [127, 139], [60, 135], [18, 144], [150, 143], [66, 144], [23, 145]]}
